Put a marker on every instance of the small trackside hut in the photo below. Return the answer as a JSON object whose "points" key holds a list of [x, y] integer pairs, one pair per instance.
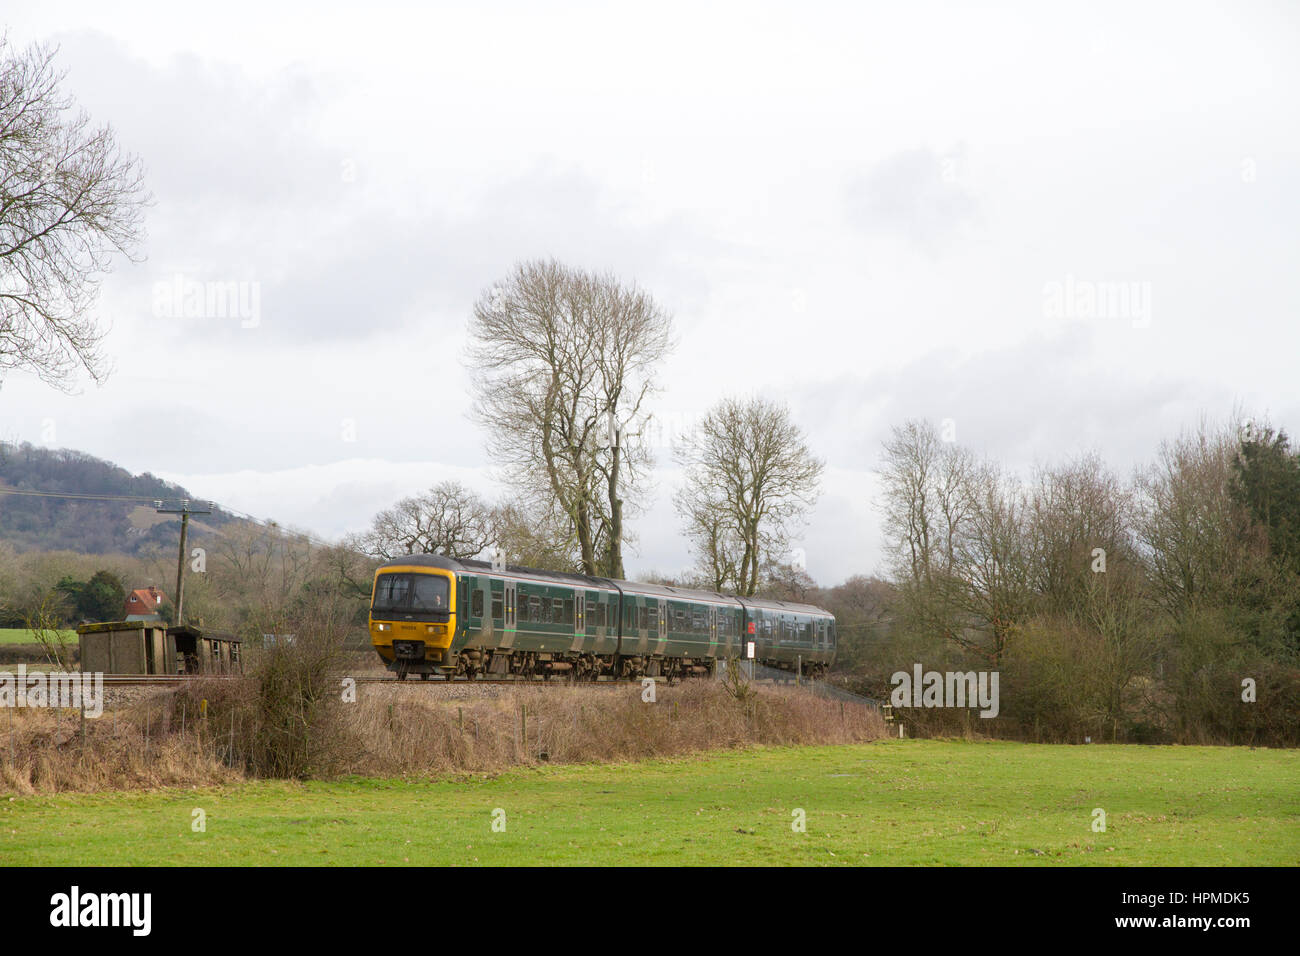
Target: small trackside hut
{"points": [[206, 652], [139, 647]]}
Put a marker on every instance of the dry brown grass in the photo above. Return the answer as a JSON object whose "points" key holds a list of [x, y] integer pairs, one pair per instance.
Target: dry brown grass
{"points": [[404, 734], [50, 751], [165, 740]]}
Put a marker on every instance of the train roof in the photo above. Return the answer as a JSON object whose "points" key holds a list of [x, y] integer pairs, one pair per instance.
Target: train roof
{"points": [[584, 580]]}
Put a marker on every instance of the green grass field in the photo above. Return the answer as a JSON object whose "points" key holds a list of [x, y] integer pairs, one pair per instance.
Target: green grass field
{"points": [[893, 802], [21, 635]]}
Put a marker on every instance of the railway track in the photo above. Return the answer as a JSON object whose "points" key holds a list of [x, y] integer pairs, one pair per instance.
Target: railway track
{"points": [[174, 680]]}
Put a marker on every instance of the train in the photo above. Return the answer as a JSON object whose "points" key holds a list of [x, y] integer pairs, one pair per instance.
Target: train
{"points": [[435, 615]]}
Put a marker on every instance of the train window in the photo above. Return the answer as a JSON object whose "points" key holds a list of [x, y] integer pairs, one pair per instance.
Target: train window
{"points": [[568, 611], [652, 618], [535, 608], [643, 617], [699, 620], [392, 590], [498, 607], [476, 605], [428, 592]]}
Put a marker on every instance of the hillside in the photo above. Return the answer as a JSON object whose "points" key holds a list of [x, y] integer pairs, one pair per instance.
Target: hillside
{"points": [[32, 523]]}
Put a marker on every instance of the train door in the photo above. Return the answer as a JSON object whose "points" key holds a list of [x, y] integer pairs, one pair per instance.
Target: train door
{"points": [[462, 606], [509, 621], [713, 627], [579, 619], [663, 623]]}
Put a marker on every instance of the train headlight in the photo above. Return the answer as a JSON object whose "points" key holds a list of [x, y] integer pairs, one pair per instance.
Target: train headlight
{"points": [[382, 627]]}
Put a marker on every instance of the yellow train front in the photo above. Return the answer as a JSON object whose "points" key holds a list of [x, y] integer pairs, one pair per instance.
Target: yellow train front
{"points": [[413, 614]]}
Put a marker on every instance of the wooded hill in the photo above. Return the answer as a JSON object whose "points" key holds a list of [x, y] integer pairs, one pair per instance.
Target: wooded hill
{"points": [[127, 526]]}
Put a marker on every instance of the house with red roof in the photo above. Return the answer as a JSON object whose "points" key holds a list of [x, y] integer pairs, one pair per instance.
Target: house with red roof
{"points": [[143, 604]]}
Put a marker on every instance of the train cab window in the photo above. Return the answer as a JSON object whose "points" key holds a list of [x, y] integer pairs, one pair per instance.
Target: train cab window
{"points": [[428, 593], [476, 605]]}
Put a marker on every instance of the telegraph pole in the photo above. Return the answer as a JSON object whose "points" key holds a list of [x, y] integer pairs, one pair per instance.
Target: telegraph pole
{"points": [[184, 511]]}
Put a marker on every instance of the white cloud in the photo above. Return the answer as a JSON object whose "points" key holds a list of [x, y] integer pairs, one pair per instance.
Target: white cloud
{"points": [[853, 209]]}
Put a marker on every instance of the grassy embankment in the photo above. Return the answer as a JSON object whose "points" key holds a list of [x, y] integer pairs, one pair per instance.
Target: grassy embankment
{"points": [[889, 802]]}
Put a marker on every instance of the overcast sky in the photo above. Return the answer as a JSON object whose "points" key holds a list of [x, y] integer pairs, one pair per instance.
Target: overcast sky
{"points": [[1062, 230]]}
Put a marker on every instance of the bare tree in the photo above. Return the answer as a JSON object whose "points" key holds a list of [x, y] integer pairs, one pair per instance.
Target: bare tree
{"points": [[712, 531], [990, 584], [750, 478], [1080, 527], [44, 614], [532, 538], [955, 528], [448, 519], [69, 199], [927, 501], [1196, 539], [564, 362]]}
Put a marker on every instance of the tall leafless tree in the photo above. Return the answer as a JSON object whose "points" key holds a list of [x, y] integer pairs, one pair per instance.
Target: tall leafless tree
{"points": [[956, 530], [448, 519], [1197, 540], [69, 200], [927, 502], [564, 363], [750, 478]]}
